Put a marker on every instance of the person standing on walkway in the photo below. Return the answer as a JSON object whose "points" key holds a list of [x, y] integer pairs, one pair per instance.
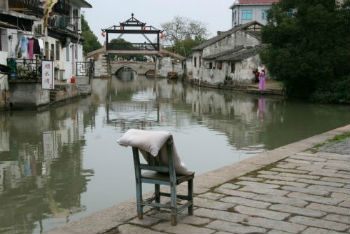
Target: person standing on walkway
{"points": [[262, 82]]}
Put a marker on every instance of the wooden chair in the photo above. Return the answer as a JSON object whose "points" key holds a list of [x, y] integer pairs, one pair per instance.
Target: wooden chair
{"points": [[161, 175]]}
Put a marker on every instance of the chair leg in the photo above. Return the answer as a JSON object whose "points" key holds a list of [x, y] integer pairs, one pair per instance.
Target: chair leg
{"points": [[157, 194], [173, 205], [139, 200], [190, 196]]}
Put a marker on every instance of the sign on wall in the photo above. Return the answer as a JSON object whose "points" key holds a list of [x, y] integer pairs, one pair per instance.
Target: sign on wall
{"points": [[48, 81]]}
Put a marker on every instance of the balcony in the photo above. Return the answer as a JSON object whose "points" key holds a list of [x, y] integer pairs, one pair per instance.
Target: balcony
{"points": [[31, 7]]}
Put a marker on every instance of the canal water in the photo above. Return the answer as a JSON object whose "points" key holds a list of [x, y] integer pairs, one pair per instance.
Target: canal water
{"points": [[64, 163]]}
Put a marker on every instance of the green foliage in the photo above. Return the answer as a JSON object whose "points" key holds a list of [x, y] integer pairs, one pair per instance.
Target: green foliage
{"points": [[308, 48], [91, 43], [121, 44], [184, 47]]}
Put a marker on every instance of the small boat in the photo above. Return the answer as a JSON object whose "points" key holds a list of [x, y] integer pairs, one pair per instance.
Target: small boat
{"points": [[150, 74], [172, 76]]}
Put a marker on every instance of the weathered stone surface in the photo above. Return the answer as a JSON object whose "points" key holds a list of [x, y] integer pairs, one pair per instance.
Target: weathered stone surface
{"points": [[237, 228], [250, 178], [319, 182], [306, 190], [211, 196], [263, 190], [128, 228], [314, 198], [190, 219], [235, 193], [330, 189], [216, 205], [328, 208], [247, 202], [278, 177], [289, 170], [319, 223], [275, 224], [297, 210], [308, 158], [337, 180], [268, 172], [276, 232], [312, 230], [229, 186], [338, 218], [282, 200], [261, 212], [222, 215], [182, 228], [341, 196], [146, 221], [345, 204], [312, 177], [281, 182], [257, 184]]}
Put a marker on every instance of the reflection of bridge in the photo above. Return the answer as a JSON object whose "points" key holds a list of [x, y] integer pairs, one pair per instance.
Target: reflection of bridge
{"points": [[140, 67]]}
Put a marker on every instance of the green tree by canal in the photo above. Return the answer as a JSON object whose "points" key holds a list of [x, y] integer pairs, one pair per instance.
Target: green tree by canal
{"points": [[309, 49], [90, 43]]}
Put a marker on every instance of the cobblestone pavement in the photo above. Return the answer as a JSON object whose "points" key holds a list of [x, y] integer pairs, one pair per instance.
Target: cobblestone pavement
{"points": [[307, 192]]}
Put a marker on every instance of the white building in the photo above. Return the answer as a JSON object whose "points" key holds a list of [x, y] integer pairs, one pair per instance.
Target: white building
{"points": [[245, 11], [60, 42], [230, 56]]}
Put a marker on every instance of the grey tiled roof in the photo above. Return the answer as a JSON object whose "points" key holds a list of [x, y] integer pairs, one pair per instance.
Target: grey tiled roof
{"points": [[242, 54], [226, 52], [224, 34]]}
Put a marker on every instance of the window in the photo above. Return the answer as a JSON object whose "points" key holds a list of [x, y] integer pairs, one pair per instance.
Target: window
{"points": [[219, 65], [247, 14], [264, 14], [195, 61], [52, 52], [200, 61], [57, 50], [210, 65], [233, 67], [47, 55], [67, 53], [76, 51]]}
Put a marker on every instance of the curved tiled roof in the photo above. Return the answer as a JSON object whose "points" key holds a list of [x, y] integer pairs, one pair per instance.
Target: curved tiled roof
{"points": [[242, 54], [224, 34]]}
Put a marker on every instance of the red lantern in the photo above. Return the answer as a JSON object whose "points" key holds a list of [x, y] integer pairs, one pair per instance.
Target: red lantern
{"points": [[103, 34], [121, 28], [162, 35], [144, 28]]}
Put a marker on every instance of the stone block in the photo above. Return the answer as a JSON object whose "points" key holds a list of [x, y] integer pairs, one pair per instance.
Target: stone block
{"points": [[320, 223], [261, 212]]}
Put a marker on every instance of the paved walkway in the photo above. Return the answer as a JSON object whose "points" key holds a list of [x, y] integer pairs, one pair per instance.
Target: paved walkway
{"points": [[293, 189]]}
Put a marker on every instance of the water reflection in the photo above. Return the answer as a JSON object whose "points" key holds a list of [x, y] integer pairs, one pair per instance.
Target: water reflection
{"points": [[40, 167], [54, 164]]}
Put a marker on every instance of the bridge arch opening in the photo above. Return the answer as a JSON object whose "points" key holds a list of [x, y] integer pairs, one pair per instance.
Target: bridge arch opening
{"points": [[126, 73]]}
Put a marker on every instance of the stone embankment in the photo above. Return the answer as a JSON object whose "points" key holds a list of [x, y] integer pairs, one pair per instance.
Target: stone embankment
{"points": [[297, 188]]}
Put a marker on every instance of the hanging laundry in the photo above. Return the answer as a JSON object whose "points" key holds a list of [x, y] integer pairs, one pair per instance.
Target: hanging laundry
{"points": [[41, 44], [36, 46], [31, 48], [24, 44]]}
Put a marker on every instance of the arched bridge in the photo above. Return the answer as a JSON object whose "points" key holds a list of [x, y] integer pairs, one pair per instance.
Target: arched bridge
{"points": [[140, 67]]}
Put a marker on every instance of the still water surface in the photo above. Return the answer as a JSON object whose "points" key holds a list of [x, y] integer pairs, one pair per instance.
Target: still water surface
{"points": [[64, 163]]}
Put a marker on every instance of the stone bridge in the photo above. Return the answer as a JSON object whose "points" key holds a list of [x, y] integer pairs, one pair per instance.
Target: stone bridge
{"points": [[140, 67]]}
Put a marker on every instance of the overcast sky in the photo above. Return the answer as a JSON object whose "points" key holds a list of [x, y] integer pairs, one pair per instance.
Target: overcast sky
{"points": [[105, 13]]}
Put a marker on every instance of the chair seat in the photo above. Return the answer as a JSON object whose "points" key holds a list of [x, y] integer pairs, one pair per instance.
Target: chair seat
{"points": [[165, 177]]}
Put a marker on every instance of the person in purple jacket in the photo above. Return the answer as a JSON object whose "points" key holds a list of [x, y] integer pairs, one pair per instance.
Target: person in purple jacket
{"points": [[262, 82]]}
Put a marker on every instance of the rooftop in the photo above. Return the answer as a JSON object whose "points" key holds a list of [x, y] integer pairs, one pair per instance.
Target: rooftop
{"points": [[224, 34], [253, 2]]}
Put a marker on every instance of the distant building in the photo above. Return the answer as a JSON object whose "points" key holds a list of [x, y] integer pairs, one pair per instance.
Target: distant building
{"points": [[228, 58], [245, 11]]}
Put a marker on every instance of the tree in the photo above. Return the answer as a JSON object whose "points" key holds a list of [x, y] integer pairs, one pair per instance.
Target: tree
{"points": [[184, 47], [121, 44], [308, 48], [91, 43], [181, 28]]}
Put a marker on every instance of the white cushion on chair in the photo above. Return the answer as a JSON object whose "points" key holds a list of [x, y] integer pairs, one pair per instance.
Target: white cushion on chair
{"points": [[153, 142]]}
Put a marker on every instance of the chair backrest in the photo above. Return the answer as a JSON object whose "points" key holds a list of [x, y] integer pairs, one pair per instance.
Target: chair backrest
{"points": [[154, 163]]}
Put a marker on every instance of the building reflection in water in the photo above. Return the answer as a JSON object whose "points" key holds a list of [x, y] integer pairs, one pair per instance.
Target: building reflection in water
{"points": [[41, 174]]}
